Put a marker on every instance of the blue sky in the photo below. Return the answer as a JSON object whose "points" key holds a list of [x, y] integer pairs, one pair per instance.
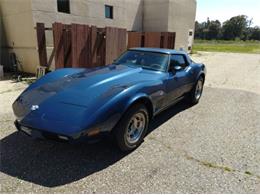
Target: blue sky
{"points": [[225, 9]]}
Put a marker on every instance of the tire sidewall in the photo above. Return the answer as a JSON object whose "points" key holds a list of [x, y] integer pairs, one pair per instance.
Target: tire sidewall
{"points": [[194, 100], [121, 128]]}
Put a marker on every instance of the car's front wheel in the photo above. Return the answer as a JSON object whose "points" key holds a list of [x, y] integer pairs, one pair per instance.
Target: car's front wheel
{"points": [[132, 127], [197, 90]]}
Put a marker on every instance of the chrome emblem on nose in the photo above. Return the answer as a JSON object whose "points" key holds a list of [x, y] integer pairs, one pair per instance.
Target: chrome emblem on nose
{"points": [[34, 107]]}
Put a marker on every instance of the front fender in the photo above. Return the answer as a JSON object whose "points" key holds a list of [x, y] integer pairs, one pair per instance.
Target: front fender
{"points": [[110, 112], [135, 98]]}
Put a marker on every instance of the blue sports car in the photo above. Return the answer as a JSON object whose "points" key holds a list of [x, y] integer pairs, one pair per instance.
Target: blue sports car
{"points": [[120, 98]]}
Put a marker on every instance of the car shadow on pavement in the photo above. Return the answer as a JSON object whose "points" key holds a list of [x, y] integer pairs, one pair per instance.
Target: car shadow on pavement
{"points": [[52, 164], [168, 114]]}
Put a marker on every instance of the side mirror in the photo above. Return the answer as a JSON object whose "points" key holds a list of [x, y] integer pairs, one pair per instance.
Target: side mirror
{"points": [[177, 68]]}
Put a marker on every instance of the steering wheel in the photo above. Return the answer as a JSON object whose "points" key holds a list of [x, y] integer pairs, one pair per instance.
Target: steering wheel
{"points": [[156, 66]]}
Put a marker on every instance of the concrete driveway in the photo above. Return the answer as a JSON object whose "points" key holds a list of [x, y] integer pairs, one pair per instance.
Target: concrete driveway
{"points": [[212, 147]]}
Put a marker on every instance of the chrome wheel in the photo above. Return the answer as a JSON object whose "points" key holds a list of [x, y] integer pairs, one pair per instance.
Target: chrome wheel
{"points": [[135, 127], [198, 89]]}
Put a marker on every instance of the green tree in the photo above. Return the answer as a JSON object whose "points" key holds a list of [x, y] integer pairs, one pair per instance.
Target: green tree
{"points": [[208, 30], [214, 30], [236, 27], [254, 33], [198, 30]]}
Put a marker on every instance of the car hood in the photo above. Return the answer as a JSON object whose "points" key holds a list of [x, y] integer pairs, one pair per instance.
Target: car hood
{"points": [[84, 89]]}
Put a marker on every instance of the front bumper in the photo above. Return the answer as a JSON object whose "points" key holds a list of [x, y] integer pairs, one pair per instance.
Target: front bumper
{"points": [[43, 134]]}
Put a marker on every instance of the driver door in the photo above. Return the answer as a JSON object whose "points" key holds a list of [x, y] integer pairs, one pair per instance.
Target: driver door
{"points": [[178, 78]]}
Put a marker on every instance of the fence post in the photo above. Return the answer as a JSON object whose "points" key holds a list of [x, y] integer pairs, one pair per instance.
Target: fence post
{"points": [[58, 44], [115, 43], [67, 46], [152, 39], [40, 29], [81, 45], [122, 41], [94, 42], [74, 45], [134, 39], [101, 46], [173, 39], [110, 43]]}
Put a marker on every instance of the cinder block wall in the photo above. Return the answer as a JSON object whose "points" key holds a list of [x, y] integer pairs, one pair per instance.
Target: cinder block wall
{"points": [[171, 16], [182, 14], [3, 51], [155, 15], [134, 15], [18, 32]]}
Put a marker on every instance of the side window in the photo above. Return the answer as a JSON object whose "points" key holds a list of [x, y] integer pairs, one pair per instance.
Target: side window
{"points": [[178, 60], [63, 6], [109, 11]]}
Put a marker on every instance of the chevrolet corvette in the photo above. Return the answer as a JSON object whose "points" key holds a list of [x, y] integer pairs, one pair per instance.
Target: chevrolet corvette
{"points": [[120, 98]]}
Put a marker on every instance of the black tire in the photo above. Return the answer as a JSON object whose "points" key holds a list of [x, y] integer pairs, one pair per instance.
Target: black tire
{"points": [[194, 97], [121, 131]]}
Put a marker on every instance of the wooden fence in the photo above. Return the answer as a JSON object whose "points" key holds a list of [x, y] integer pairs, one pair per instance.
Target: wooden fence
{"points": [[151, 39], [79, 45]]}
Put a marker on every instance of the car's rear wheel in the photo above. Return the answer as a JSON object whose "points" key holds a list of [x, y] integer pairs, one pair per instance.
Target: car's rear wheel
{"points": [[197, 90], [132, 127]]}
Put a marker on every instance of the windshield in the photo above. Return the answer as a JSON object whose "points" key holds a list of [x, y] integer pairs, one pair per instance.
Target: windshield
{"points": [[147, 60]]}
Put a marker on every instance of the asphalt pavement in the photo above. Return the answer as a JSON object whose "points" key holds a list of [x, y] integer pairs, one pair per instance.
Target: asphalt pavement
{"points": [[212, 147]]}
